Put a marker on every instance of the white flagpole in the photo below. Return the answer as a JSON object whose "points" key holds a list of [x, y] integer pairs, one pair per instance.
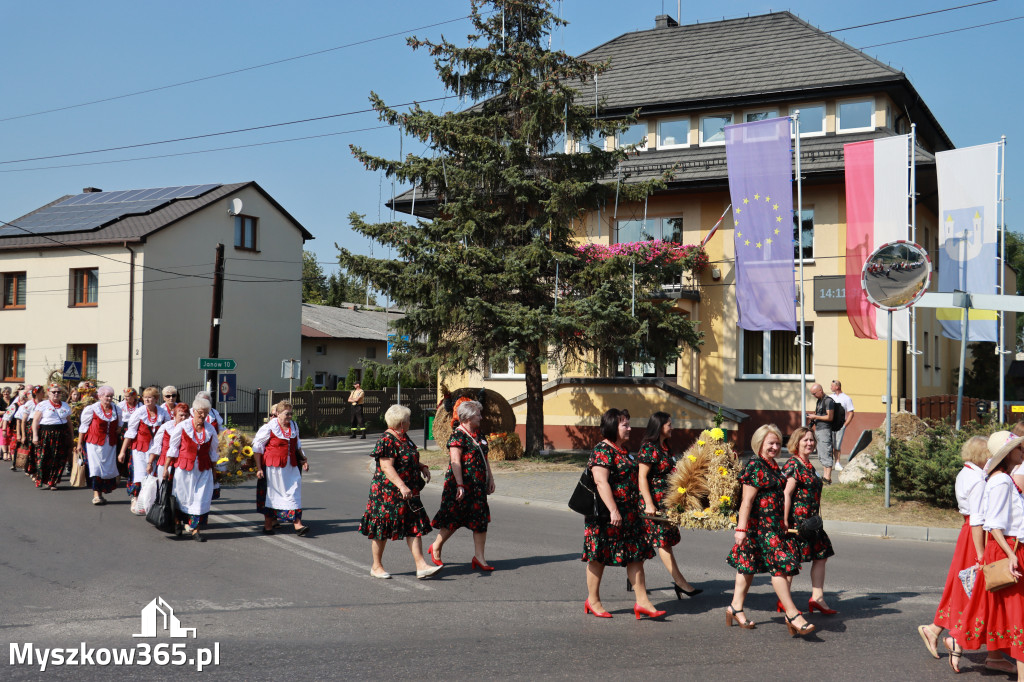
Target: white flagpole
{"points": [[800, 251], [913, 237], [1001, 349]]}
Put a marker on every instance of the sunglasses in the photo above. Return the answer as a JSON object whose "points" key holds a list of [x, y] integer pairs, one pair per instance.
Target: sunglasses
{"points": [[170, 395]]}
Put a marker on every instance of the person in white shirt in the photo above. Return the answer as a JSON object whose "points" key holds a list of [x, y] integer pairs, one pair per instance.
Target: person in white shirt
{"points": [[161, 443], [23, 417], [190, 458], [142, 427], [51, 436], [847, 403], [170, 394], [97, 442]]}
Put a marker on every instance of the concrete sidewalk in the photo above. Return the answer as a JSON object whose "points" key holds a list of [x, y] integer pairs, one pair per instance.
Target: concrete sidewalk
{"points": [[551, 489]]}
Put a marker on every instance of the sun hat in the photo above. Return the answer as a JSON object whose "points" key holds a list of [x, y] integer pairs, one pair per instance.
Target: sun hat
{"points": [[1000, 444]]}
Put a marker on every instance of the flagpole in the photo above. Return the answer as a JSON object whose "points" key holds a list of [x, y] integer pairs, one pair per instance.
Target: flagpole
{"points": [[1002, 278], [913, 237], [800, 250]]}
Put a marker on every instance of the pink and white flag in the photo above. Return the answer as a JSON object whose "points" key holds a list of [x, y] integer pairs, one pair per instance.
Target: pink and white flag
{"points": [[877, 191]]}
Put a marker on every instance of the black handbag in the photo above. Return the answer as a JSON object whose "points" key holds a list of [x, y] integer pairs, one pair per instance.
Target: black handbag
{"points": [[585, 498], [164, 513], [810, 528]]}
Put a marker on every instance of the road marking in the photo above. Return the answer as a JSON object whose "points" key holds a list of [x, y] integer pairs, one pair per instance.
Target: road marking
{"points": [[325, 557]]}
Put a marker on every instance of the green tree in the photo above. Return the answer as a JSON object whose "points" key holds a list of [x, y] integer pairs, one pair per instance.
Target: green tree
{"points": [[1015, 259], [478, 281], [352, 378], [314, 283], [343, 288]]}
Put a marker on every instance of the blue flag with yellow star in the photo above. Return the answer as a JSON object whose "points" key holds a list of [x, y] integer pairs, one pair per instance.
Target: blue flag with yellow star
{"points": [[761, 187]]}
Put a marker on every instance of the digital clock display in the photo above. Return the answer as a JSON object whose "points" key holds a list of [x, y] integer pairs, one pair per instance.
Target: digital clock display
{"points": [[830, 293]]}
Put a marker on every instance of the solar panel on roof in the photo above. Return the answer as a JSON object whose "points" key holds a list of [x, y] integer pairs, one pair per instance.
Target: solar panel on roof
{"points": [[92, 210]]}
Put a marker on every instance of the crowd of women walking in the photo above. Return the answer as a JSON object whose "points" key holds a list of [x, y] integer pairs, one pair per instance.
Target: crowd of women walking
{"points": [[146, 443]]}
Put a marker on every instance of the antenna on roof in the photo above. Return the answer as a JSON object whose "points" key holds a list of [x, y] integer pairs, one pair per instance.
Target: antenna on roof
{"points": [[235, 208]]}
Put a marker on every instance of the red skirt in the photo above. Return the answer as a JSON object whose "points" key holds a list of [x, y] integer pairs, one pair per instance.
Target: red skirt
{"points": [[994, 620], [954, 599]]}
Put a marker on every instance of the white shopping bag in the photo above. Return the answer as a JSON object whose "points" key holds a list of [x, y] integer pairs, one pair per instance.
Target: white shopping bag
{"points": [[147, 494]]}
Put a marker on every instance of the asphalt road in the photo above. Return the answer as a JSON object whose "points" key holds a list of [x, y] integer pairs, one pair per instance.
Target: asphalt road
{"points": [[287, 608]]}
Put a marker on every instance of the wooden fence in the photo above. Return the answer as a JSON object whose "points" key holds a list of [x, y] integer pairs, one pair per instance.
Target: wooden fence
{"points": [[320, 409], [940, 407]]}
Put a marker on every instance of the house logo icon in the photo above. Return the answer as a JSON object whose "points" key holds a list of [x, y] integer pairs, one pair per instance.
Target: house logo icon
{"points": [[157, 615]]}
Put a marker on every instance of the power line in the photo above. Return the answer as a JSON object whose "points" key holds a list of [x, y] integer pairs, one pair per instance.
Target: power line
{"points": [[911, 16], [217, 134], [942, 33], [237, 71]]}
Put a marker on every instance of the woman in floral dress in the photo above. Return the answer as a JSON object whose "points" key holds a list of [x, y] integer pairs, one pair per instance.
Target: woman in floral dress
{"points": [[803, 500], [51, 436], [656, 463], [621, 538], [467, 484], [761, 543], [394, 510]]}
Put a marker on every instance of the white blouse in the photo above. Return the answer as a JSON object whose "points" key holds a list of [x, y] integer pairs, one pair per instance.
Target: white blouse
{"points": [[158, 440], [188, 428], [1003, 505], [970, 487], [140, 415], [52, 415], [259, 441], [96, 411], [26, 410]]}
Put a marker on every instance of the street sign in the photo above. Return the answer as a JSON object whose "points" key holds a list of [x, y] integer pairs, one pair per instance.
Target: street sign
{"points": [[217, 364], [226, 386], [291, 369], [391, 343], [72, 371]]}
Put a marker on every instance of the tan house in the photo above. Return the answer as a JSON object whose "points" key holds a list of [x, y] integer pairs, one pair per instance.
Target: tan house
{"points": [[122, 282], [688, 82], [337, 339]]}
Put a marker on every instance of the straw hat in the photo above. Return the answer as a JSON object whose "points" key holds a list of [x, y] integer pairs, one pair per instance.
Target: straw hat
{"points": [[1000, 444]]}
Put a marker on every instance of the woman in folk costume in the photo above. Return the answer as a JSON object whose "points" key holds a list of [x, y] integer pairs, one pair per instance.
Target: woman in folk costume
{"points": [[157, 464], [51, 436], [190, 457], [278, 453], [142, 427], [23, 416], [217, 422], [170, 394], [97, 442], [128, 407], [10, 427]]}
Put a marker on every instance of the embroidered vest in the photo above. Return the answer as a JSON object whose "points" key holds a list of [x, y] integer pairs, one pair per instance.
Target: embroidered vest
{"points": [[144, 436], [163, 448], [190, 454], [280, 452], [101, 430]]}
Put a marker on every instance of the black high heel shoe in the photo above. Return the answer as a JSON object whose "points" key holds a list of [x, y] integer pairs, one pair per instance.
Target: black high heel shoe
{"points": [[680, 591], [629, 585]]}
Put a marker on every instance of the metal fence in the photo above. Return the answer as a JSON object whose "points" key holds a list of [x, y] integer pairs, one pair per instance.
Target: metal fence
{"points": [[248, 410]]}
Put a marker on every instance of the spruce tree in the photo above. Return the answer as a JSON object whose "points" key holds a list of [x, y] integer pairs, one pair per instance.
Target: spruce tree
{"points": [[477, 279]]}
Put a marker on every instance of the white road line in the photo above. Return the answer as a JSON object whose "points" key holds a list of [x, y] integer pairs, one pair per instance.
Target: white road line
{"points": [[325, 557]]}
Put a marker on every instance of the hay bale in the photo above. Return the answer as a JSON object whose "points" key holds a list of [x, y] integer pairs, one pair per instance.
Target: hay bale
{"points": [[497, 413]]}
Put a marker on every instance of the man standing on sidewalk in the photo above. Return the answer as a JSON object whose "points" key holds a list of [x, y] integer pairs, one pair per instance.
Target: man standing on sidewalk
{"points": [[355, 399], [821, 418], [847, 403]]}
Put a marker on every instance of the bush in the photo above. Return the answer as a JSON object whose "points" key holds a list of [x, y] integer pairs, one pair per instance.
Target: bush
{"points": [[925, 467], [307, 385], [350, 379]]}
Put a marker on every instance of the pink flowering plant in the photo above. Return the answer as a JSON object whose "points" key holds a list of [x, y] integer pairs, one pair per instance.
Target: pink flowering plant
{"points": [[687, 257]]}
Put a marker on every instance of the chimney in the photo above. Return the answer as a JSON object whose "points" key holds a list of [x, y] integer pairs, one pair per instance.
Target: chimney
{"points": [[90, 190], [664, 21]]}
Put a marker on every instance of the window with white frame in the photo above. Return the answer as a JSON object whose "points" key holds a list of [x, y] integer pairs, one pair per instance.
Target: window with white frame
{"points": [[854, 116], [803, 235], [712, 128], [666, 229], [763, 115], [812, 119], [673, 133], [636, 134], [510, 368], [775, 354]]}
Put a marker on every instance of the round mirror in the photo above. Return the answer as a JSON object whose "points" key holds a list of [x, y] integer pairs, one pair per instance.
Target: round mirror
{"points": [[896, 275]]}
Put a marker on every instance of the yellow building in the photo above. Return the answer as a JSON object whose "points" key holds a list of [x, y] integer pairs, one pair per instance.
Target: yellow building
{"points": [[688, 82]]}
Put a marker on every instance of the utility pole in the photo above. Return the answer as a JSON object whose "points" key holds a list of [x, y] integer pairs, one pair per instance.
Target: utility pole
{"points": [[215, 316]]}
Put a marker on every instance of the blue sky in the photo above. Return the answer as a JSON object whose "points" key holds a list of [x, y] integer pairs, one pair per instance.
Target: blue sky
{"points": [[60, 54]]}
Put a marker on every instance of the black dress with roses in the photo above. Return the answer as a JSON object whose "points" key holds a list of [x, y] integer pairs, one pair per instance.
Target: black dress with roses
{"points": [[806, 503], [768, 548], [628, 543], [388, 516], [472, 511], [661, 462]]}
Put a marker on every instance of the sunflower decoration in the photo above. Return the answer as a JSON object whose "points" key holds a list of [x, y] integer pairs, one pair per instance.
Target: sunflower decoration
{"points": [[236, 462], [704, 487]]}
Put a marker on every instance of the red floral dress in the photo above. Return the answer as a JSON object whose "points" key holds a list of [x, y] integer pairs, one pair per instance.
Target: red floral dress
{"points": [[767, 549], [628, 543], [387, 515], [806, 503], [661, 462], [472, 511]]}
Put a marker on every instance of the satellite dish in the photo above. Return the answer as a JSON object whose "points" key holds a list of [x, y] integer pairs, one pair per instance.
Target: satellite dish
{"points": [[236, 207], [896, 275]]}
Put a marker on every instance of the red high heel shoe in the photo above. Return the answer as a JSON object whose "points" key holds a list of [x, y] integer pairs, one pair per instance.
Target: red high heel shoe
{"points": [[430, 551], [587, 608], [480, 567], [812, 604], [638, 610], [779, 608]]}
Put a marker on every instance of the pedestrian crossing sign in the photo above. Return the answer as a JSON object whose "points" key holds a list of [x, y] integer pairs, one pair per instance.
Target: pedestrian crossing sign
{"points": [[72, 371]]}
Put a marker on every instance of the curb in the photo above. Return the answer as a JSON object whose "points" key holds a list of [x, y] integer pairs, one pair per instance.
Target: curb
{"points": [[897, 532]]}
